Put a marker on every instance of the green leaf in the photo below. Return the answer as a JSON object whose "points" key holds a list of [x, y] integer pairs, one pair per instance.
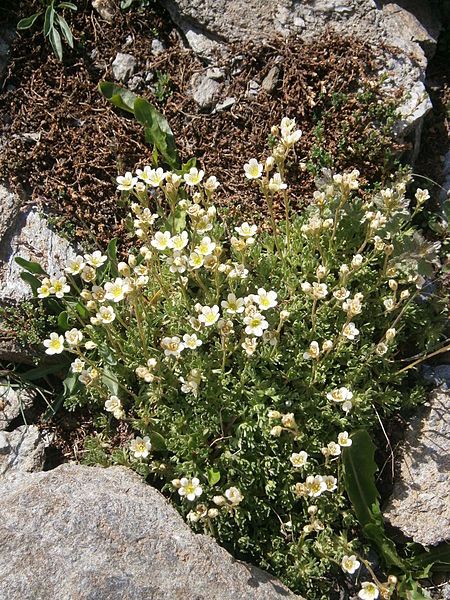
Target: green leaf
{"points": [[110, 381], [32, 281], [30, 266], [82, 310], [69, 5], [359, 475], [126, 4], [28, 21], [63, 320], [157, 130], [118, 96], [111, 251], [157, 441], [65, 30], [186, 167], [213, 477], [438, 555], [41, 372], [55, 41], [410, 589], [49, 19]]}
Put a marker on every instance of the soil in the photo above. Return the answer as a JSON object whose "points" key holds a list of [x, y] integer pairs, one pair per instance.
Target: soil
{"points": [[80, 143]]}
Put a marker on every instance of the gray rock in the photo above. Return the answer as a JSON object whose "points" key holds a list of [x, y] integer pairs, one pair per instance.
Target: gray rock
{"points": [[157, 47], [420, 502], [438, 374], [227, 103], [13, 403], [253, 88], [30, 238], [106, 9], [135, 83], [205, 90], [93, 533], [269, 83], [10, 204], [123, 67], [23, 450]]}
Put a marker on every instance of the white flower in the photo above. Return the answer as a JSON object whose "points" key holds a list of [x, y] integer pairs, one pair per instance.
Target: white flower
{"points": [[126, 182], [245, 230], [194, 176], [59, 286], [179, 241], [195, 260], [253, 169], [105, 315], [96, 259], [191, 341], [114, 405], [238, 272], [190, 488], [177, 263], [234, 496], [90, 345], [299, 459], [368, 591], [340, 394], [209, 315], [172, 346], [266, 300], [349, 331], [44, 290], [155, 177], [140, 446], [144, 174], [249, 345], [341, 294], [75, 265], [381, 349], [347, 406], [233, 305], [315, 485], [344, 440], [276, 183], [333, 449], [390, 334], [73, 337], [88, 274], [206, 246], [77, 366], [313, 352], [55, 344], [330, 482], [389, 304], [350, 564], [422, 196], [318, 290], [98, 293], [256, 324], [161, 240], [327, 345], [357, 261], [211, 184], [116, 290]]}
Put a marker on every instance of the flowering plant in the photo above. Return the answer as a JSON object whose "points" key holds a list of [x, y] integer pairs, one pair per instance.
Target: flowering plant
{"points": [[239, 360]]}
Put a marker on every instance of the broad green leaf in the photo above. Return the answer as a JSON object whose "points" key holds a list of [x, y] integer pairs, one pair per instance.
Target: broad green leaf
{"points": [[438, 555], [157, 130], [28, 21], [82, 310], [359, 476], [49, 19], [30, 266], [69, 5], [111, 251], [410, 589], [40, 372], [55, 41], [157, 441], [213, 477], [63, 321], [110, 381], [118, 96], [187, 166], [32, 281], [65, 30], [375, 532]]}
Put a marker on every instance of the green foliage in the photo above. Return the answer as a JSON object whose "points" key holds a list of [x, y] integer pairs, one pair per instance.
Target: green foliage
{"points": [[163, 86], [228, 365], [55, 25], [157, 129]]}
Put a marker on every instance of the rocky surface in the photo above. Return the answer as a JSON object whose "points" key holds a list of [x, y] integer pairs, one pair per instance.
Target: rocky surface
{"points": [[123, 67], [88, 532], [420, 503], [406, 26], [22, 450], [14, 402]]}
